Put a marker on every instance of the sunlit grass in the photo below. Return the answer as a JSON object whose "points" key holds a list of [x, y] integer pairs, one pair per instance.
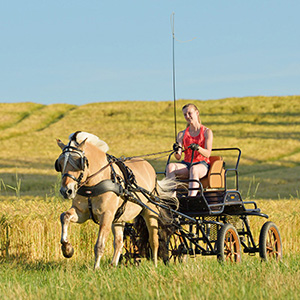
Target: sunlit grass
{"points": [[199, 279], [34, 228]]}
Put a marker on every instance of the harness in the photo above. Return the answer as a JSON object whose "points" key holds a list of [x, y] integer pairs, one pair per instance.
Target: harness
{"points": [[125, 187], [116, 184]]}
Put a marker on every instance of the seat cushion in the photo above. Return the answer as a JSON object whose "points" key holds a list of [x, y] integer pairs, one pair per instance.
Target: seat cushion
{"points": [[215, 178]]}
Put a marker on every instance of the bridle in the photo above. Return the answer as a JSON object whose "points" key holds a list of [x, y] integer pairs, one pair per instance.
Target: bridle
{"points": [[81, 164]]}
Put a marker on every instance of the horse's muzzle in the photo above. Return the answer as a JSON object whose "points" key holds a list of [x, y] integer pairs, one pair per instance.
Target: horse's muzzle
{"points": [[67, 193]]}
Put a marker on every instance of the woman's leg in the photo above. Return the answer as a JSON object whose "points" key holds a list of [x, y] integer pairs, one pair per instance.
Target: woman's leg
{"points": [[177, 170], [196, 172]]}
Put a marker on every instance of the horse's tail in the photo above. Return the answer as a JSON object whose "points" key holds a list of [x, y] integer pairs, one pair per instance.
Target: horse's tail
{"points": [[165, 191]]}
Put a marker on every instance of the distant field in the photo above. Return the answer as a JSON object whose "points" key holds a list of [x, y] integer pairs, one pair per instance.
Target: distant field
{"points": [[267, 129]]}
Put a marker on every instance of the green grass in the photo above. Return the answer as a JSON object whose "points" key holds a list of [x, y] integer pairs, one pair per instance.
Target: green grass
{"points": [[202, 278]]}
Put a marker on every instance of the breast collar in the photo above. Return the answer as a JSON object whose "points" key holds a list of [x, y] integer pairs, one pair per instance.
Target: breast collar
{"points": [[117, 184]]}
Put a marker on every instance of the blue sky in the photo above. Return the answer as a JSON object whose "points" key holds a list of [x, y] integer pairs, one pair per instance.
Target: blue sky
{"points": [[94, 51]]}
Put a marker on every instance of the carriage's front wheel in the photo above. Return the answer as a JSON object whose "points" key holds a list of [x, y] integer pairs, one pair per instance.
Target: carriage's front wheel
{"points": [[176, 249], [270, 246], [228, 244]]}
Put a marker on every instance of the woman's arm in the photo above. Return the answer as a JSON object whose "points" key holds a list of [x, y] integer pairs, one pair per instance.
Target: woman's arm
{"points": [[208, 143], [180, 143]]}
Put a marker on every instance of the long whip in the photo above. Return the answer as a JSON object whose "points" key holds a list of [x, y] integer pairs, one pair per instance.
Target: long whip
{"points": [[174, 84], [173, 55]]}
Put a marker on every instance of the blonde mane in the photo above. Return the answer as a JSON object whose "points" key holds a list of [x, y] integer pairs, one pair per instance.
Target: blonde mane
{"points": [[91, 138]]}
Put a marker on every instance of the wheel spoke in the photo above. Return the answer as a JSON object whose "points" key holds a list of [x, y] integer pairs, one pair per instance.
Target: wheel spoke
{"points": [[230, 247], [271, 244], [174, 250]]}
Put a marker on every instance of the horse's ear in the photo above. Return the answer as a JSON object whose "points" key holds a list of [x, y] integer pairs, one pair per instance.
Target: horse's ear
{"points": [[60, 144], [80, 146]]}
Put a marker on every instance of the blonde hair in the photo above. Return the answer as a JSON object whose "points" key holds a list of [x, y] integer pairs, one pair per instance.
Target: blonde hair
{"points": [[190, 104]]}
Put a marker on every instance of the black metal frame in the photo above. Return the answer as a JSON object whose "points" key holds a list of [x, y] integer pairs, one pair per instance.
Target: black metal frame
{"points": [[220, 204]]}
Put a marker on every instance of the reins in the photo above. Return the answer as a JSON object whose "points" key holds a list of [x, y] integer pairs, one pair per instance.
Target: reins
{"points": [[122, 159], [95, 174]]}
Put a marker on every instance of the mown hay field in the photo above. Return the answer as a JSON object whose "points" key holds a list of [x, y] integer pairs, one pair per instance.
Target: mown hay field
{"points": [[266, 129]]}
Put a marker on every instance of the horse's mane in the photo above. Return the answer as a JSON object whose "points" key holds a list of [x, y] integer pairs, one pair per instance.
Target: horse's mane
{"points": [[80, 136]]}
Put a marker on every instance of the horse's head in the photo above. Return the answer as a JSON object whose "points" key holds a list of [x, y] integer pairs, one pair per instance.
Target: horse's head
{"points": [[72, 164]]}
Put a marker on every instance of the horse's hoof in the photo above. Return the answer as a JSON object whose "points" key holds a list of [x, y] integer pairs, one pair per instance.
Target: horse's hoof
{"points": [[67, 250]]}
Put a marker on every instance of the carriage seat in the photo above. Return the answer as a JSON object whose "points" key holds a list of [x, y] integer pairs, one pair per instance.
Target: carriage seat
{"points": [[215, 178]]}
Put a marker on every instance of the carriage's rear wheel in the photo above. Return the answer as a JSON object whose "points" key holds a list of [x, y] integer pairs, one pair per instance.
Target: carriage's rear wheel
{"points": [[228, 244], [270, 246], [176, 249]]}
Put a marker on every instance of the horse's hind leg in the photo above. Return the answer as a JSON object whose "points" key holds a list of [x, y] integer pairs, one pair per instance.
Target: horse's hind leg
{"points": [[118, 242], [72, 215], [152, 225]]}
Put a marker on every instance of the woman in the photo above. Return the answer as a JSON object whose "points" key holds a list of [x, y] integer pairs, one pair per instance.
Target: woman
{"points": [[195, 137]]}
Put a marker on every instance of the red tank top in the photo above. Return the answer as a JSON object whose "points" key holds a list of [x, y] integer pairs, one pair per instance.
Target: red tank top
{"points": [[199, 139]]}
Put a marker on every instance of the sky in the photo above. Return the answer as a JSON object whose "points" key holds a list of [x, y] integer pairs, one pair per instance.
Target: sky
{"points": [[80, 52]]}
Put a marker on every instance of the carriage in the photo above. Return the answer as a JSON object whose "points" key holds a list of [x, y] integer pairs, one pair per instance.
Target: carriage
{"points": [[113, 191], [214, 222]]}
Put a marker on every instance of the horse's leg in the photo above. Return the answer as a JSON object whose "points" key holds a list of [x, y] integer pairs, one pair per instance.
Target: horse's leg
{"points": [[152, 225], [105, 226], [72, 215], [117, 230]]}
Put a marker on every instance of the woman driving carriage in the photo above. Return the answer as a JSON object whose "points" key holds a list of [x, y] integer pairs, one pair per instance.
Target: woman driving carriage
{"points": [[196, 140]]}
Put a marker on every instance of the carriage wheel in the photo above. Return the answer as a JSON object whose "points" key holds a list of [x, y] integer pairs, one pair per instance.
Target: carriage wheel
{"points": [[176, 248], [131, 255], [228, 244], [270, 246]]}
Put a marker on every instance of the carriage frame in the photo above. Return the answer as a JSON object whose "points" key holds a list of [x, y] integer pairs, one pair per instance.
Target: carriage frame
{"points": [[215, 222]]}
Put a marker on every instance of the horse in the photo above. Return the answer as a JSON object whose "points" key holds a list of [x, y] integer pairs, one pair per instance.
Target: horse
{"points": [[100, 187]]}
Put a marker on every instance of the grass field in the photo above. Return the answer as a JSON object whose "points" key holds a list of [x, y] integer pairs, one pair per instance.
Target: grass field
{"points": [[267, 129], [35, 269], [199, 279]]}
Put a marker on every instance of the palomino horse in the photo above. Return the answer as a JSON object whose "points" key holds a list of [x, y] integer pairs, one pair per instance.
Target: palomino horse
{"points": [[98, 187]]}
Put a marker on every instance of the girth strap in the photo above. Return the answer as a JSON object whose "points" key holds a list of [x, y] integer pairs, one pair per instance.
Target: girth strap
{"points": [[91, 210]]}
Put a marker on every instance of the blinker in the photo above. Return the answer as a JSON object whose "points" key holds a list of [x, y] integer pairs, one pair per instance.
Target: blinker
{"points": [[80, 163]]}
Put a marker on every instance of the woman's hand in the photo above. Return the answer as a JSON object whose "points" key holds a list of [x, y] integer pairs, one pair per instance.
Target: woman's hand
{"points": [[194, 147], [176, 147]]}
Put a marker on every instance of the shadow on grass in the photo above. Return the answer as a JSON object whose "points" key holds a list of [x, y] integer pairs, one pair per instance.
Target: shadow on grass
{"points": [[275, 181], [23, 263], [23, 163]]}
